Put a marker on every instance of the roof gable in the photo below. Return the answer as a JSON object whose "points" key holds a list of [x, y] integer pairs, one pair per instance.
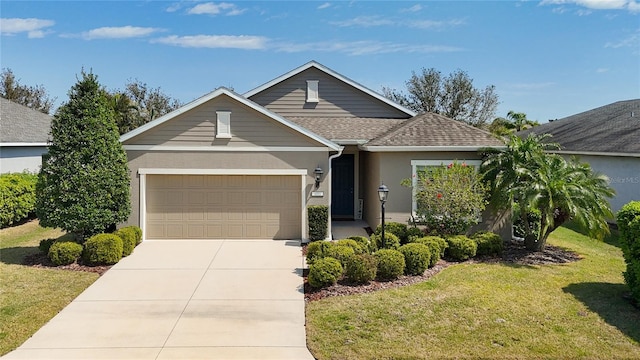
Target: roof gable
{"points": [[434, 130], [361, 100], [219, 93], [23, 125], [613, 128]]}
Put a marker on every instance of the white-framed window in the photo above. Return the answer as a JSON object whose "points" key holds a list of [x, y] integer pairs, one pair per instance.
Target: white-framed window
{"points": [[223, 124], [421, 166], [312, 91]]}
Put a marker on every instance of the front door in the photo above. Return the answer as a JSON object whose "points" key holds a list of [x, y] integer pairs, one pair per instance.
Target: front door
{"points": [[342, 184]]}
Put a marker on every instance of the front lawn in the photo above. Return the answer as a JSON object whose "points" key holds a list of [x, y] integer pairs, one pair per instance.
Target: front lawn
{"points": [[31, 296], [489, 310]]}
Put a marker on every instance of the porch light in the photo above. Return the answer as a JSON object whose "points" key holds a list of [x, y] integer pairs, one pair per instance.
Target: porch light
{"points": [[318, 172], [383, 192]]}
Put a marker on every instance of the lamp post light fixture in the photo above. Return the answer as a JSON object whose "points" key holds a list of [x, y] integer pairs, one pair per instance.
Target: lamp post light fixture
{"points": [[383, 193], [318, 173]]}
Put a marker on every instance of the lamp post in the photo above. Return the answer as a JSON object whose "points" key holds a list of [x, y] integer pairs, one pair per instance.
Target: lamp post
{"points": [[383, 192]]}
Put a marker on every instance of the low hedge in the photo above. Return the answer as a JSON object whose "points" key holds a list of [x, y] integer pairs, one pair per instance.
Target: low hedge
{"points": [[357, 247], [395, 228], [416, 258], [318, 219], [339, 252], [365, 242], [17, 197], [461, 248], [361, 268], [391, 241], [317, 250], [129, 241], [102, 249], [488, 243], [64, 252], [390, 264], [324, 272]]}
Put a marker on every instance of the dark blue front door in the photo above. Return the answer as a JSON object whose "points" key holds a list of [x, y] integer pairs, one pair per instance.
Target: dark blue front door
{"points": [[342, 183]]}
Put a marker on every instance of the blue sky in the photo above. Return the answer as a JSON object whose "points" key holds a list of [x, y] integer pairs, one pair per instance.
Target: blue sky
{"points": [[548, 59]]}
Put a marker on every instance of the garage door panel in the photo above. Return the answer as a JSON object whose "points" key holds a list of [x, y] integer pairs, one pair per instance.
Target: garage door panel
{"points": [[223, 206]]}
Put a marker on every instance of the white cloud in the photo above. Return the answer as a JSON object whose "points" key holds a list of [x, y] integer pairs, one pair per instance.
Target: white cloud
{"points": [[33, 27], [215, 41], [364, 21], [120, 32], [414, 8], [630, 5], [211, 8], [366, 47], [632, 40], [324, 6]]}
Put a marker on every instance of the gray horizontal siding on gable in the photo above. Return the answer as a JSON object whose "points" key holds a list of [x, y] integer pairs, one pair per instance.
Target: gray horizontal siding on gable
{"points": [[337, 99], [197, 127]]}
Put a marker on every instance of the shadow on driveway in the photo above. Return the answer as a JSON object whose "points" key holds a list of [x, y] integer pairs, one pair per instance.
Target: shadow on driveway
{"points": [[608, 301]]}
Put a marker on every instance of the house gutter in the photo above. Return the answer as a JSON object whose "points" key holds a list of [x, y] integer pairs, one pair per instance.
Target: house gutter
{"points": [[331, 157]]}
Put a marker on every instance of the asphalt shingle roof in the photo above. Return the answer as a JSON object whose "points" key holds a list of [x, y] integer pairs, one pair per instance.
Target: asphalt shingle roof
{"points": [[611, 128], [347, 128], [430, 129], [20, 124]]}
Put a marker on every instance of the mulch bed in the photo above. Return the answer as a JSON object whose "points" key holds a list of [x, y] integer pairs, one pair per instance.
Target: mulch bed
{"points": [[514, 253], [42, 261]]}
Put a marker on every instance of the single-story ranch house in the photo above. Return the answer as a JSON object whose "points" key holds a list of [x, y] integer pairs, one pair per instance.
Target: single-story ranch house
{"points": [[608, 138], [247, 166], [24, 134]]}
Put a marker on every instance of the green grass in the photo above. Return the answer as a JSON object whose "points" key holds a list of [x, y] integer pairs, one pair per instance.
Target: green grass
{"points": [[570, 311], [29, 296]]}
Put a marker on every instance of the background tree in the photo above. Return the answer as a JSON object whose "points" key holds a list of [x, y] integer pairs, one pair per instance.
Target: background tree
{"points": [[139, 104], [453, 96], [34, 97], [515, 121], [557, 189], [83, 185]]}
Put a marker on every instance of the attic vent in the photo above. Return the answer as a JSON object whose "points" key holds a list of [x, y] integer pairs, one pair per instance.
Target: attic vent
{"points": [[312, 91], [223, 125]]}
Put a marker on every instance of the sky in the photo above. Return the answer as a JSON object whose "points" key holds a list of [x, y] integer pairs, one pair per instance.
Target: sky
{"points": [[549, 59]]}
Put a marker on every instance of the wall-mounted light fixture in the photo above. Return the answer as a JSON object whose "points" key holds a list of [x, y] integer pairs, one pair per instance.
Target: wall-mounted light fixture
{"points": [[318, 172]]}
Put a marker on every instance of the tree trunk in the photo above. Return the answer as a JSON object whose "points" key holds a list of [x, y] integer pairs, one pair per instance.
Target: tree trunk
{"points": [[532, 243]]}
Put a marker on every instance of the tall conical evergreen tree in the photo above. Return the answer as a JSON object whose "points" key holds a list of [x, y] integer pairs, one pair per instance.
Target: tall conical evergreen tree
{"points": [[83, 185]]}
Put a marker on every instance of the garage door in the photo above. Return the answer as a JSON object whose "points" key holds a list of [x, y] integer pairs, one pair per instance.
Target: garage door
{"points": [[223, 207]]}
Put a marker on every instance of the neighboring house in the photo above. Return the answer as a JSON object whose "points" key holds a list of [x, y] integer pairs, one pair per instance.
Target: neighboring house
{"points": [[608, 138], [24, 134], [244, 166]]}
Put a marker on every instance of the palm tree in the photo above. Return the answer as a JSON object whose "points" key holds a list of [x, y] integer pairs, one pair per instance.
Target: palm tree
{"points": [[560, 190], [520, 121]]}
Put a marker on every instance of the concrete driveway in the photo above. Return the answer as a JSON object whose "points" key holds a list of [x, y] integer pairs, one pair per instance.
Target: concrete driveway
{"points": [[185, 299]]}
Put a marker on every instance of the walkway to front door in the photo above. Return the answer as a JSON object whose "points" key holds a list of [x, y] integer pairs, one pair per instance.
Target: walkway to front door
{"points": [[185, 299]]}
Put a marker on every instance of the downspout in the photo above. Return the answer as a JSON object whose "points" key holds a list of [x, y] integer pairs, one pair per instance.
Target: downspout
{"points": [[331, 157]]}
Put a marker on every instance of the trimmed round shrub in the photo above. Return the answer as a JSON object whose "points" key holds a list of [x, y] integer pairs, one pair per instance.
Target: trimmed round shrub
{"points": [[45, 245], [17, 197], [137, 232], [461, 248], [391, 241], [396, 228], [488, 243], [390, 264], [102, 249], [416, 258], [361, 269], [413, 233], [128, 236], [357, 247], [366, 244], [339, 252], [437, 245], [64, 252], [317, 250], [324, 272]]}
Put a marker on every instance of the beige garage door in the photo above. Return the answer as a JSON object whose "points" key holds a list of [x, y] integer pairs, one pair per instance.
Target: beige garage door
{"points": [[223, 207]]}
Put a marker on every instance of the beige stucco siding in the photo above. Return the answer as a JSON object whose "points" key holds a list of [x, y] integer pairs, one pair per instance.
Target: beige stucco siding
{"points": [[197, 127], [392, 167], [337, 99], [189, 160]]}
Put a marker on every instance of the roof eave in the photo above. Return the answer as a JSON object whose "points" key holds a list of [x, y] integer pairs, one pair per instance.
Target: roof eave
{"points": [[380, 148], [595, 153]]}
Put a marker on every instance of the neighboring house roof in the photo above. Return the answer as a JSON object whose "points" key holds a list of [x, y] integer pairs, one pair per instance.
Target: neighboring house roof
{"points": [[22, 126], [237, 97], [347, 130], [434, 130], [613, 128], [318, 66]]}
